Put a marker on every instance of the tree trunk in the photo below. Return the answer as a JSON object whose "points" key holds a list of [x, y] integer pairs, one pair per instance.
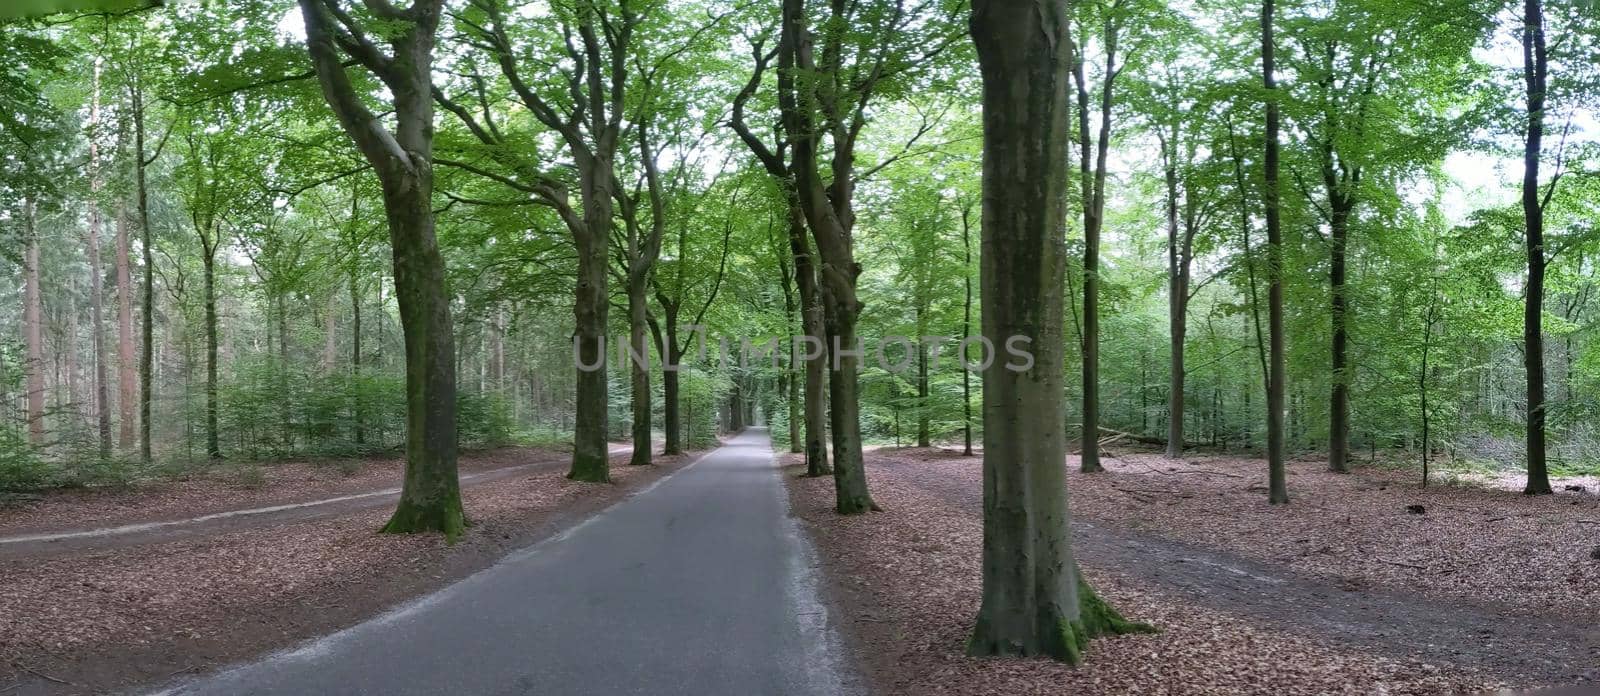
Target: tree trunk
{"points": [[816, 405], [147, 241], [1339, 403], [829, 219], [923, 438], [430, 498], [209, 263], [330, 337], [1276, 478], [1177, 305], [638, 303], [966, 330], [1093, 188], [1034, 600], [127, 393], [102, 396], [1535, 67], [33, 325], [356, 415], [590, 458], [671, 372]]}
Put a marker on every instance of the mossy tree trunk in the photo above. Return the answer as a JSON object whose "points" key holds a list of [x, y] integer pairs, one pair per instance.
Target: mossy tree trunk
{"points": [[1034, 600], [430, 499]]}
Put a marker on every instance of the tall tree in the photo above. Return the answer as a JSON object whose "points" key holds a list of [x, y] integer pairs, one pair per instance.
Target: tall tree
{"points": [[1277, 484], [102, 400], [1092, 184], [430, 499], [772, 158], [33, 323], [1535, 75], [1035, 601]]}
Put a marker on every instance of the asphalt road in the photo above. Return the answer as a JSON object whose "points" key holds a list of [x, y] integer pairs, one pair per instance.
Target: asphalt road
{"points": [[701, 584]]}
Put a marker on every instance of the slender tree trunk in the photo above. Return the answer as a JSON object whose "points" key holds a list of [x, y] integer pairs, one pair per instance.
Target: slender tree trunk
{"points": [[1035, 601], [330, 336], [816, 405], [1093, 193], [357, 410], [1177, 306], [1535, 67], [209, 263], [102, 396], [671, 373], [33, 325], [789, 380], [1339, 403], [1276, 476], [966, 330], [127, 392], [638, 327], [923, 427], [147, 242]]}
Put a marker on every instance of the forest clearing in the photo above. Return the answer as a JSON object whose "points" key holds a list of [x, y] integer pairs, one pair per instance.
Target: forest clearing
{"points": [[799, 347]]}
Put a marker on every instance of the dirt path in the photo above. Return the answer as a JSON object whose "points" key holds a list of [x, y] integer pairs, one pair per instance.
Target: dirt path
{"points": [[1513, 645], [57, 542]]}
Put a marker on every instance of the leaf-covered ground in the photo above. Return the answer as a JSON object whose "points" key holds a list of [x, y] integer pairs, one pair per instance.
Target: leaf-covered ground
{"points": [[123, 616], [907, 580]]}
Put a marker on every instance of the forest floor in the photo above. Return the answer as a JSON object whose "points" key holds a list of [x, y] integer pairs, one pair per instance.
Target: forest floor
{"points": [[108, 611], [1343, 591]]}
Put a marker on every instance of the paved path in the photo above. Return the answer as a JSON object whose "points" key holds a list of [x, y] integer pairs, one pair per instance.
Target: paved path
{"points": [[701, 584]]}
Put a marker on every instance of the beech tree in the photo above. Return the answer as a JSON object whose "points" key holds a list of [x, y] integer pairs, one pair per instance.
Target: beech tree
{"points": [[1035, 601], [430, 499]]}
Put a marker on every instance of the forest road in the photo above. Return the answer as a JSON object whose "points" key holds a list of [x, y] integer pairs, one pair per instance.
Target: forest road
{"points": [[62, 542], [699, 584], [1496, 640]]}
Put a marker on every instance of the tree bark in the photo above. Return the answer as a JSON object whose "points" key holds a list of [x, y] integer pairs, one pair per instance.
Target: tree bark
{"points": [[102, 396], [829, 218], [33, 324], [356, 415], [966, 329], [1278, 492], [1179, 253], [147, 241], [1034, 601], [1535, 68], [430, 498], [209, 262], [127, 371], [1093, 184], [1339, 401]]}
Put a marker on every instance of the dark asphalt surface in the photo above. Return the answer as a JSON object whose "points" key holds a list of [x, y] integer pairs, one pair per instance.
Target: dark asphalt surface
{"points": [[701, 584]]}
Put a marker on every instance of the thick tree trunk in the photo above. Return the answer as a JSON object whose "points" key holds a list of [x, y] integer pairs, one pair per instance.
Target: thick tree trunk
{"points": [[1278, 492], [849, 468], [1339, 401], [1034, 600], [127, 371], [430, 498], [209, 263], [1535, 67], [590, 460], [33, 325]]}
